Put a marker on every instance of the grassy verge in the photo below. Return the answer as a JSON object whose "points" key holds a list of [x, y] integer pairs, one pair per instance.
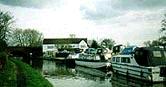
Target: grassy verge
{"points": [[8, 75], [31, 77]]}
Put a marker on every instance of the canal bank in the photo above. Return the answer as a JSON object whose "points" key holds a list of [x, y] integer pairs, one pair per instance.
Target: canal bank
{"points": [[18, 74]]}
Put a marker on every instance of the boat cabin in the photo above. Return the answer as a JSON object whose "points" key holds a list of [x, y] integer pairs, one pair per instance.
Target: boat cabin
{"points": [[146, 63], [146, 56], [124, 59], [143, 56], [92, 54]]}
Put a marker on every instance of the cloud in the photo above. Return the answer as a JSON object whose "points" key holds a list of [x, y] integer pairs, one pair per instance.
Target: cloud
{"points": [[132, 21], [138, 4], [33, 3], [106, 9], [98, 10]]}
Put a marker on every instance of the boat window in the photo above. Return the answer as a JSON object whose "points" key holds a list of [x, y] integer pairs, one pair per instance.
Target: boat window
{"points": [[117, 59], [165, 53], [156, 53], [113, 59], [50, 47], [128, 50], [125, 60]]}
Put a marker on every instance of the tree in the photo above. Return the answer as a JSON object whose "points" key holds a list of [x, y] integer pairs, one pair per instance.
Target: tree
{"points": [[72, 35], [163, 25], [108, 43], [26, 37], [94, 44], [147, 43], [162, 40], [159, 42], [5, 24]]}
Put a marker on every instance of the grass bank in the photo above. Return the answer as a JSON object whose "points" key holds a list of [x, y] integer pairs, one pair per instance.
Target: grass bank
{"points": [[8, 76], [29, 77]]}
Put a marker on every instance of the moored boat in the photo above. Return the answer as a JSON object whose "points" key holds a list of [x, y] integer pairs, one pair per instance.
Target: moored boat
{"points": [[93, 59], [145, 63]]}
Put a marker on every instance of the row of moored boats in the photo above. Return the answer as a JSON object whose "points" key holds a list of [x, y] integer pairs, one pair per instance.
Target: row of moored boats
{"points": [[145, 63]]}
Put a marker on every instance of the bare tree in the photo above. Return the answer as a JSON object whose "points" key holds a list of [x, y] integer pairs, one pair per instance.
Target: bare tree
{"points": [[147, 43], [26, 37], [163, 25], [5, 24], [162, 40]]}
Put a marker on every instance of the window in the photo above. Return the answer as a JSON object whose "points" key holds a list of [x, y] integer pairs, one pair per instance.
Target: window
{"points": [[165, 53], [50, 47], [70, 46], [117, 59], [156, 53], [113, 59], [125, 60]]}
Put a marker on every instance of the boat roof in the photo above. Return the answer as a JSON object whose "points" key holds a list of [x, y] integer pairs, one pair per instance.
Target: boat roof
{"points": [[128, 50], [122, 55]]}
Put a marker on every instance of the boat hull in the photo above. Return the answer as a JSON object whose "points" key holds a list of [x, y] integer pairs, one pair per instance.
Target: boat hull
{"points": [[150, 74], [93, 64]]}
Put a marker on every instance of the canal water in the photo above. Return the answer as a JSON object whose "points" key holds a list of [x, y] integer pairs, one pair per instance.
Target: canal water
{"points": [[61, 75]]}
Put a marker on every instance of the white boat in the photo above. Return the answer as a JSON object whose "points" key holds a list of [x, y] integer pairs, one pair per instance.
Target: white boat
{"points": [[143, 63], [92, 60], [73, 56], [92, 64]]}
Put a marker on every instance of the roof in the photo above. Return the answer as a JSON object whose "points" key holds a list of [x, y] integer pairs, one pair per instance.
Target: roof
{"points": [[63, 40]]}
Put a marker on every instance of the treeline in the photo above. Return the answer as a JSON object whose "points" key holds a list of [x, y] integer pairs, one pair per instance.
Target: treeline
{"points": [[105, 43], [14, 73], [162, 40], [12, 36]]}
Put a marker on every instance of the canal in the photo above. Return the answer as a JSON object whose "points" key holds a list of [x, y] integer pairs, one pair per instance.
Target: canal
{"points": [[61, 75]]}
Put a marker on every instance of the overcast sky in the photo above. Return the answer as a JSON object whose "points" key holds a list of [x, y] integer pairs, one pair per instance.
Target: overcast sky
{"points": [[125, 21]]}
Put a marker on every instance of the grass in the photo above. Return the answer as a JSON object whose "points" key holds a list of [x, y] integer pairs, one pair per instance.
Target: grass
{"points": [[8, 75], [31, 77], [14, 73]]}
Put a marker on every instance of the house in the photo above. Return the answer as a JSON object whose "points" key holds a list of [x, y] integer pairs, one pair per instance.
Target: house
{"points": [[51, 46]]}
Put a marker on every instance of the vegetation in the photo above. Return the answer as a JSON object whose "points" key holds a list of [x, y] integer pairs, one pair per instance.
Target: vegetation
{"points": [[95, 44], [26, 38], [108, 43], [30, 77], [17, 37], [8, 75], [163, 25], [14, 73], [5, 24], [162, 40], [159, 42]]}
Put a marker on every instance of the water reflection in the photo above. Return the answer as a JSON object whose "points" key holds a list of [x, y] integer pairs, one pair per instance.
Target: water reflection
{"points": [[62, 76], [123, 81], [92, 74], [52, 68]]}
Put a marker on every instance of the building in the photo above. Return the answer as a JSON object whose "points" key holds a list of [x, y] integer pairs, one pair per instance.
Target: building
{"points": [[51, 46]]}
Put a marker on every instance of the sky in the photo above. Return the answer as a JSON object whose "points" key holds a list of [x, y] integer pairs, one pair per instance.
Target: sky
{"points": [[125, 21]]}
